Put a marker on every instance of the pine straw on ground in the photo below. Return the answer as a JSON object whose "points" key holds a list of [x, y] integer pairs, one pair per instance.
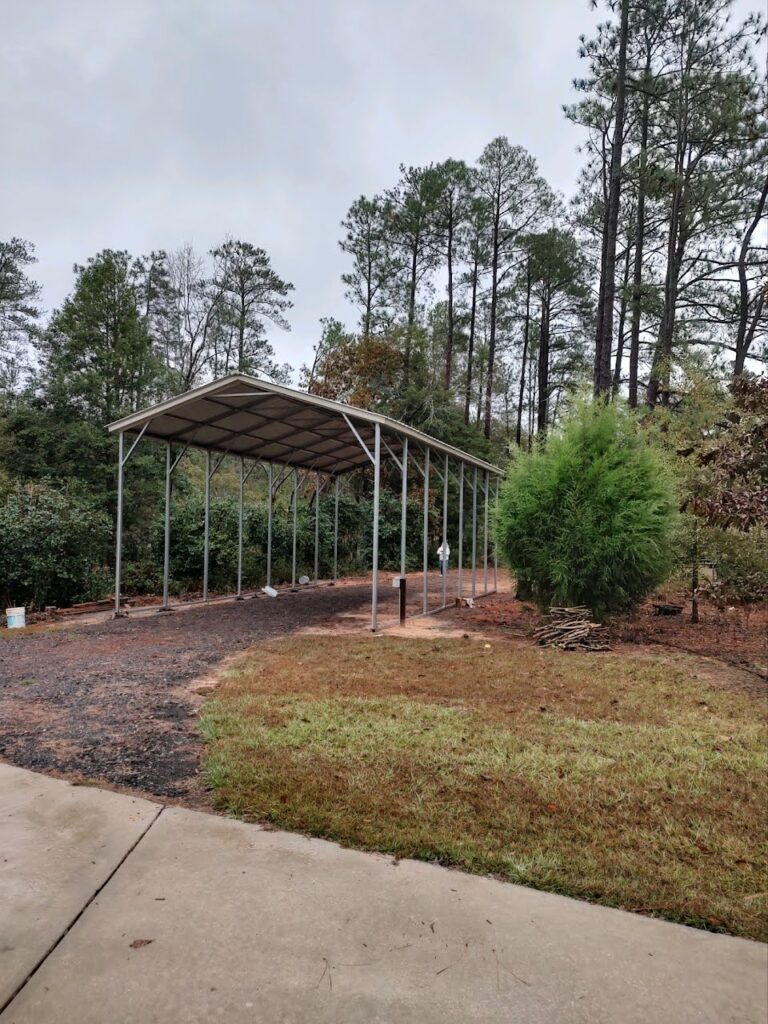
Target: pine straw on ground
{"points": [[623, 780]]}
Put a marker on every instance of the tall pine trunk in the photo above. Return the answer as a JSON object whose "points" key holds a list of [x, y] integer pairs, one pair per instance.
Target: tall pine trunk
{"points": [[604, 338], [411, 309], [526, 335], [471, 345], [637, 270], [622, 320], [449, 342], [494, 302], [541, 417], [661, 366], [368, 291], [532, 375]]}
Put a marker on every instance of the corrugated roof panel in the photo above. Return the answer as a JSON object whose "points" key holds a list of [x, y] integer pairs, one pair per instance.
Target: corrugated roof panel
{"points": [[245, 415]]}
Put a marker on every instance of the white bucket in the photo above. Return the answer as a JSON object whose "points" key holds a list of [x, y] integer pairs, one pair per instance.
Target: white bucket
{"points": [[16, 618]]}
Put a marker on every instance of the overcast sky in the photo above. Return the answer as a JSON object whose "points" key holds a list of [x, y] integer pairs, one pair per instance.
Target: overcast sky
{"points": [[144, 124]]}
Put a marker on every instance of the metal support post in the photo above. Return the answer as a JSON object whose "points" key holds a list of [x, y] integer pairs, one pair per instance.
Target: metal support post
{"points": [[404, 509], [295, 525], [461, 528], [495, 550], [376, 489], [485, 534], [425, 599], [445, 534], [336, 531], [239, 595], [167, 536], [207, 532], [317, 527], [122, 457], [474, 534], [269, 525], [119, 524]]}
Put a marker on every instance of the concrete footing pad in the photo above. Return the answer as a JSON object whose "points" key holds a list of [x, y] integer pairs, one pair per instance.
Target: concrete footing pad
{"points": [[58, 846], [209, 919]]}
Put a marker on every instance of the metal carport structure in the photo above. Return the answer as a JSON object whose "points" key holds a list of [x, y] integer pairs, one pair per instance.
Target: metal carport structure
{"points": [[273, 426]]}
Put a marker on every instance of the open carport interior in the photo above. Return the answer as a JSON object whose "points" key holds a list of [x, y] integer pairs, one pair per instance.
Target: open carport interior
{"points": [[310, 444]]}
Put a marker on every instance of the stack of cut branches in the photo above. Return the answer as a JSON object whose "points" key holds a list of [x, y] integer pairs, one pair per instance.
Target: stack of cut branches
{"points": [[569, 629]]}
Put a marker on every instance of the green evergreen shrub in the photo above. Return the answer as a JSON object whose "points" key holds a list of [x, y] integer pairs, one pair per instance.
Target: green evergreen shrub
{"points": [[588, 518]]}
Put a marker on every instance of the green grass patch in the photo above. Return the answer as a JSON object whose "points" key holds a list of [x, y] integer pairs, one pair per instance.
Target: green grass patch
{"points": [[622, 780]]}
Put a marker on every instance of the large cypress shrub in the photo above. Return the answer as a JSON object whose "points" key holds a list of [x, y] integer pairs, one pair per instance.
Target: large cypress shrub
{"points": [[587, 518]]}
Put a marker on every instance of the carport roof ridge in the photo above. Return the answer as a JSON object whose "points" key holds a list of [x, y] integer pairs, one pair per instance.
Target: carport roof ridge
{"points": [[244, 415]]}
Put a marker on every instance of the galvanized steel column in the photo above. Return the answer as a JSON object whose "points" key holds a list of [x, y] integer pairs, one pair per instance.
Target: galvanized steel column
{"points": [[240, 533], [336, 531], [295, 524], [404, 508], [119, 523], [425, 599], [376, 489], [269, 525], [167, 534], [444, 566], [206, 538], [474, 534], [495, 549], [485, 534], [317, 526], [461, 527]]}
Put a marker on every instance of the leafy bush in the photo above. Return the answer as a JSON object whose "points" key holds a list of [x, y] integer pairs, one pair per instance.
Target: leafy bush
{"points": [[588, 519], [740, 561], [52, 546]]}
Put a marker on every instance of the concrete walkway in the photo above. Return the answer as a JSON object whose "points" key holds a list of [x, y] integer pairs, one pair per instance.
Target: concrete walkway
{"points": [[115, 909]]}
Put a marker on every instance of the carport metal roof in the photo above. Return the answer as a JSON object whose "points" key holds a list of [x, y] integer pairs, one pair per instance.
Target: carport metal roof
{"points": [[243, 415]]}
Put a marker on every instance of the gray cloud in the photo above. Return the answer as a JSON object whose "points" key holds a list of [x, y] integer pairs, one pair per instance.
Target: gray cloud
{"points": [[147, 124]]}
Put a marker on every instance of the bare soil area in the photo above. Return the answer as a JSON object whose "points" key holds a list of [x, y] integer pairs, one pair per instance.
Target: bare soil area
{"points": [[736, 641], [116, 701], [737, 637]]}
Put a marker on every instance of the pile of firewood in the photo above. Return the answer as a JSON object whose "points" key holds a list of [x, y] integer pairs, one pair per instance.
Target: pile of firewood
{"points": [[571, 628]]}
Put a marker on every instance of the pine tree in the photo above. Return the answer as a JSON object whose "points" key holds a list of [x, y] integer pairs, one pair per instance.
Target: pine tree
{"points": [[19, 311], [249, 294], [412, 223], [97, 352], [454, 183], [376, 265], [517, 197]]}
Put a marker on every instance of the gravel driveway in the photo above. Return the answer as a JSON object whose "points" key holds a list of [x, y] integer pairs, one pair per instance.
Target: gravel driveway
{"points": [[112, 701]]}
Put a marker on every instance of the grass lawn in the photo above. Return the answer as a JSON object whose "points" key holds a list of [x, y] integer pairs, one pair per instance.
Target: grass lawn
{"points": [[619, 779]]}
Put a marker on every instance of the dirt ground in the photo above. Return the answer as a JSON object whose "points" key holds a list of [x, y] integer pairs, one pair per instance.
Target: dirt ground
{"points": [[733, 638], [117, 701]]}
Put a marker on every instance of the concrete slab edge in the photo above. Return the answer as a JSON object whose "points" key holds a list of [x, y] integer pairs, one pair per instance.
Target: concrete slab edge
{"points": [[57, 941]]}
